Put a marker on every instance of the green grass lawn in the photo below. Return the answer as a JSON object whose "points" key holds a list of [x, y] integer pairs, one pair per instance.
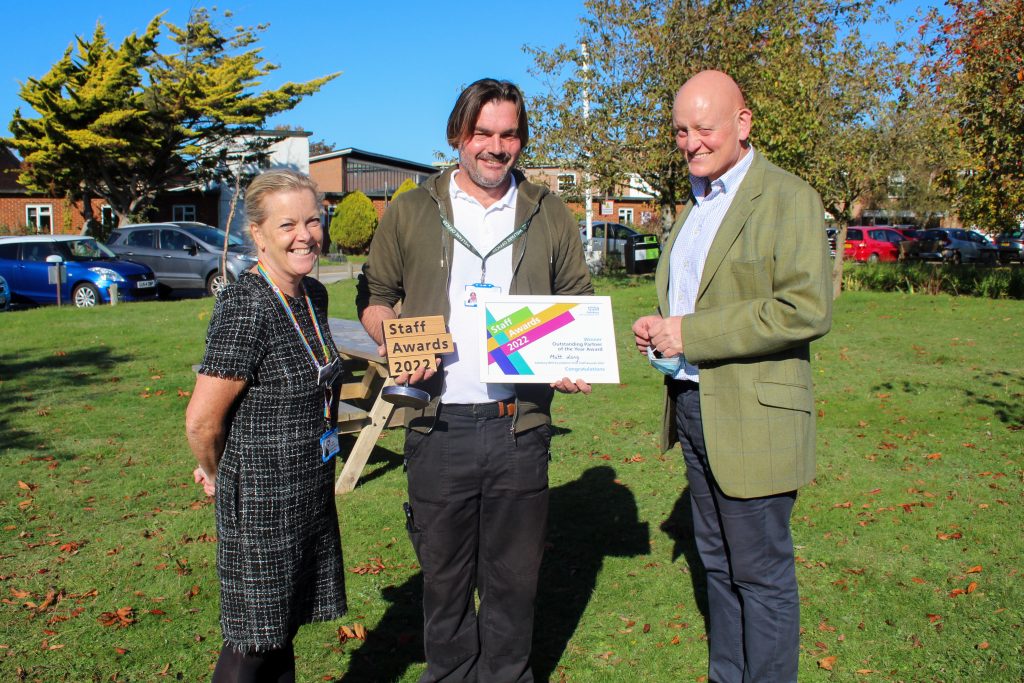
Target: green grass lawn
{"points": [[909, 542]]}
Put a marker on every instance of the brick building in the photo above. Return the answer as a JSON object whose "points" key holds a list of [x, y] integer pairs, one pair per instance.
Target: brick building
{"points": [[377, 176]]}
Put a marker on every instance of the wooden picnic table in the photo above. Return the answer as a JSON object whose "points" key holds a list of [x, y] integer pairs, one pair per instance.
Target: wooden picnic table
{"points": [[361, 409]]}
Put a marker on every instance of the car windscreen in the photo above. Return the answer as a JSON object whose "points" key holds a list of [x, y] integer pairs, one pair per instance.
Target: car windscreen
{"points": [[85, 249], [214, 236]]}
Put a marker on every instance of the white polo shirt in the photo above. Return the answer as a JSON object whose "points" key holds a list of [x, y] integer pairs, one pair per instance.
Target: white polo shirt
{"points": [[483, 228]]}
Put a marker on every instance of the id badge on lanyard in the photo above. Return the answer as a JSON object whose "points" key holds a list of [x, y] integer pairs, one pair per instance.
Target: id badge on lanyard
{"points": [[329, 446], [477, 291]]}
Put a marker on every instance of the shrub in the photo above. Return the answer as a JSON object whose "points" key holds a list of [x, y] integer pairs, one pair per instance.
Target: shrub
{"points": [[354, 221], [407, 184], [927, 278]]}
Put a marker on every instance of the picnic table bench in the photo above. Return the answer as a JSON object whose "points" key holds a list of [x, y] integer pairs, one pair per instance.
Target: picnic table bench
{"points": [[361, 410]]}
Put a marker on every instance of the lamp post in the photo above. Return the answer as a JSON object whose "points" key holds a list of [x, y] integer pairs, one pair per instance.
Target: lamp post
{"points": [[587, 194]]}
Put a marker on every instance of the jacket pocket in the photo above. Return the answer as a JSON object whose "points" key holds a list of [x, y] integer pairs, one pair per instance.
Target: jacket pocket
{"points": [[788, 396], [751, 279]]}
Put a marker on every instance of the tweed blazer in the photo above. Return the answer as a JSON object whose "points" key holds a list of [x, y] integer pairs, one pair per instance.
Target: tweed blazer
{"points": [[764, 295]]}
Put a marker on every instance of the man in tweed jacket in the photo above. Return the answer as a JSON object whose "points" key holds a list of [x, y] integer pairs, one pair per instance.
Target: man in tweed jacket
{"points": [[743, 287]]}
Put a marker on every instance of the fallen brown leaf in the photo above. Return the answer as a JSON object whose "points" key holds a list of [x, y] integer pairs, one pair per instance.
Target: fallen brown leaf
{"points": [[123, 617]]}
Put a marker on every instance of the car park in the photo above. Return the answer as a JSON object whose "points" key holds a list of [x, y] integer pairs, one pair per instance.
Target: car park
{"points": [[956, 245], [1011, 245], [184, 256], [872, 243], [614, 239], [93, 273]]}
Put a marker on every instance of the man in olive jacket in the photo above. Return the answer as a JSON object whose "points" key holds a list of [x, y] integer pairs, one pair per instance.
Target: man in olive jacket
{"points": [[743, 288], [477, 455]]}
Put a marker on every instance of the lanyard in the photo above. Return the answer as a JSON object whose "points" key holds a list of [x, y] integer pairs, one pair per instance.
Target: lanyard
{"points": [[464, 241], [316, 325]]}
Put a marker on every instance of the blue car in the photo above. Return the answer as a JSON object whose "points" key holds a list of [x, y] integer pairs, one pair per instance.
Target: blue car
{"points": [[5, 295], [93, 272]]}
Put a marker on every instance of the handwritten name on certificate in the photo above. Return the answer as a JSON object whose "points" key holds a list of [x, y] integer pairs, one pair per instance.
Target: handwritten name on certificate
{"points": [[541, 339]]}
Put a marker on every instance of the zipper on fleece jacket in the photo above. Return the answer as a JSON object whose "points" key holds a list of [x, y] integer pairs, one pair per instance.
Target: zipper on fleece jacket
{"points": [[515, 270]]}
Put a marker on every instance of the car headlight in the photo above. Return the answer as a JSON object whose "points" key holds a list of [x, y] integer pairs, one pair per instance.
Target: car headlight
{"points": [[107, 274]]}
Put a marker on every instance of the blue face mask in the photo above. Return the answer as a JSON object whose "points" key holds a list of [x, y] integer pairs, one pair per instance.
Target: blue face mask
{"points": [[666, 366]]}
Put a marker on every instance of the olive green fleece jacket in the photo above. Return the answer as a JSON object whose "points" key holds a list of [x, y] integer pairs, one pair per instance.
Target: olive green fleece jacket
{"points": [[410, 261]]}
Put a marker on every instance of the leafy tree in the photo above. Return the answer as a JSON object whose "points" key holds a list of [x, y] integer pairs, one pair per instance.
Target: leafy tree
{"points": [[975, 69], [354, 222], [91, 109], [125, 123], [815, 90], [318, 147]]}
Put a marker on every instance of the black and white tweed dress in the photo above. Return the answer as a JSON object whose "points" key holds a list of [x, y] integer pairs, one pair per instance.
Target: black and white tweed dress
{"points": [[279, 547]]}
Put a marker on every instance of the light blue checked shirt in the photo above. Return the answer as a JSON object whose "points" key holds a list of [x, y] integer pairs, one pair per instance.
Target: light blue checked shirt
{"points": [[686, 263]]}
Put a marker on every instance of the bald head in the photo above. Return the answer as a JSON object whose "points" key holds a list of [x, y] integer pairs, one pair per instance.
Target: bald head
{"points": [[712, 124], [713, 87]]}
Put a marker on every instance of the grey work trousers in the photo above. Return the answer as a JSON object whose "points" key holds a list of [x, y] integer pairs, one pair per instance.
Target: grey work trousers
{"points": [[747, 551], [478, 495]]}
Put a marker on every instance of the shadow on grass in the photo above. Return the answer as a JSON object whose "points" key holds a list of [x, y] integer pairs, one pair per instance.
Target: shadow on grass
{"points": [[25, 374], [379, 455], [679, 527], [590, 519], [1009, 412]]}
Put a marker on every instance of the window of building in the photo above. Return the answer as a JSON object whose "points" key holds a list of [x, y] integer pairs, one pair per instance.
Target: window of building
{"points": [[626, 216], [107, 216], [897, 186], [183, 212], [39, 217], [566, 182]]}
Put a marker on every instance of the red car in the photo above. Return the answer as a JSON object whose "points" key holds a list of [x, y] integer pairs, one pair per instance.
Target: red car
{"points": [[872, 243]]}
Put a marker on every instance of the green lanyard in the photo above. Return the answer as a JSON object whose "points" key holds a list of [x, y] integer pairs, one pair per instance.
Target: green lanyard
{"points": [[512, 237]]}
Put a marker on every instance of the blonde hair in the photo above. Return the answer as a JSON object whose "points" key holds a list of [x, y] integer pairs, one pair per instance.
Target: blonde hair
{"points": [[273, 182]]}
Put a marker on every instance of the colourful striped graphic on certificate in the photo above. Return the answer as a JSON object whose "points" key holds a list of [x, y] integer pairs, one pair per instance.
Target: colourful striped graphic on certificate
{"points": [[519, 329]]}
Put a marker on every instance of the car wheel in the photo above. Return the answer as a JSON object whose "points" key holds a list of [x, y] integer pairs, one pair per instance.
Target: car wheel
{"points": [[85, 295], [873, 258], [217, 282]]}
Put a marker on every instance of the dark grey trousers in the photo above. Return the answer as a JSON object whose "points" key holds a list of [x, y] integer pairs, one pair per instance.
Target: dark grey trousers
{"points": [[747, 552], [479, 506]]}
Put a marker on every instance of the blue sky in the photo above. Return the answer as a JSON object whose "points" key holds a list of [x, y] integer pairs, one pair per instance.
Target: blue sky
{"points": [[403, 62]]}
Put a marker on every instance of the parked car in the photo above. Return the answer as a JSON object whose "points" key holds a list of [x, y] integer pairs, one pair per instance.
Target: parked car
{"points": [[91, 269], [910, 247], [831, 234], [956, 246], [617, 235], [5, 295], [872, 243], [1011, 245], [184, 256]]}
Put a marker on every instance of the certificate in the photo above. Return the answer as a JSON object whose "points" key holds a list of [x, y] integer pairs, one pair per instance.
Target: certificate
{"points": [[541, 339]]}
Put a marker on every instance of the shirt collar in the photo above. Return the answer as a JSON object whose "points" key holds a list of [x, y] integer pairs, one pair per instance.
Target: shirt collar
{"points": [[727, 183], [508, 200]]}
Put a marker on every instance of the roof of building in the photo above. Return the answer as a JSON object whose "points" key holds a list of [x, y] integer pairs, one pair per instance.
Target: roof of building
{"points": [[363, 155]]}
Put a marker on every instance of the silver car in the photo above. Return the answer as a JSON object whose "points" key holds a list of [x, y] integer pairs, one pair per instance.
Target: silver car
{"points": [[184, 256], [956, 246]]}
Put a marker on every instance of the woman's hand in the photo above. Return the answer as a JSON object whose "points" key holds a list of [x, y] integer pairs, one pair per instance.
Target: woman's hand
{"points": [[209, 483]]}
